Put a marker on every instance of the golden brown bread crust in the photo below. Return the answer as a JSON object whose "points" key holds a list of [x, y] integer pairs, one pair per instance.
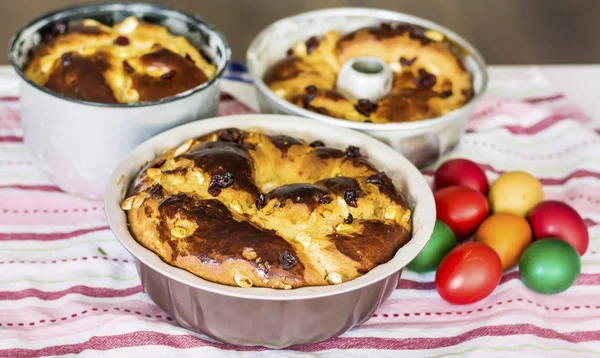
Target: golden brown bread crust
{"points": [[429, 79], [130, 62], [247, 209]]}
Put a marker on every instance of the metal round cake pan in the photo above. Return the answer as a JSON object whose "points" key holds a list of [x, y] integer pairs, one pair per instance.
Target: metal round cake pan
{"points": [[263, 316], [76, 143], [422, 142]]}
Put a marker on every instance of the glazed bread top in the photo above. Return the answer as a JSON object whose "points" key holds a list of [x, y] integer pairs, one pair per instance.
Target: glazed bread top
{"points": [[129, 62], [247, 209], [429, 77]]}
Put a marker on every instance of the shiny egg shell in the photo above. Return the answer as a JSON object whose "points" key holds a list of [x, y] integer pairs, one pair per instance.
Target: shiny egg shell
{"points": [[442, 240], [469, 272], [515, 192], [556, 219], [549, 266], [461, 208], [508, 234], [461, 172]]}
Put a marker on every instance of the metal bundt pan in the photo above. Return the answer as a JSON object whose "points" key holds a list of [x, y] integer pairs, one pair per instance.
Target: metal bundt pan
{"points": [[422, 142]]}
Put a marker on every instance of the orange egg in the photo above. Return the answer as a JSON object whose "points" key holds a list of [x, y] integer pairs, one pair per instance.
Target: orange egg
{"points": [[508, 234]]}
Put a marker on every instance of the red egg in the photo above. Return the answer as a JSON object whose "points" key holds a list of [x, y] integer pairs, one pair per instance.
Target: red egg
{"points": [[559, 220], [461, 208], [468, 273], [461, 172]]}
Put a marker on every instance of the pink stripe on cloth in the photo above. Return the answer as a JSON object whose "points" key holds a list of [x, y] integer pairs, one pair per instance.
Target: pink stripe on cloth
{"points": [[582, 173], [60, 261], [32, 187], [503, 150], [226, 97], [143, 338], [49, 236], [585, 199], [23, 317], [572, 110], [96, 292], [81, 321], [11, 139], [431, 309], [405, 284], [233, 107], [550, 98], [544, 123], [489, 107], [523, 317], [538, 127], [10, 118], [19, 207], [15, 163], [589, 222]]}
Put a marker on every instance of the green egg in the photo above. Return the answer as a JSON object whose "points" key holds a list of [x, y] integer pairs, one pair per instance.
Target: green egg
{"points": [[442, 240], [549, 266]]}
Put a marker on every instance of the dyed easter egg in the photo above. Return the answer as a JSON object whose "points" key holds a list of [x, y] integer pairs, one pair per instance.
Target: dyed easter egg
{"points": [[559, 220], [508, 234], [442, 240], [549, 266], [461, 172], [516, 193], [469, 273], [461, 208]]}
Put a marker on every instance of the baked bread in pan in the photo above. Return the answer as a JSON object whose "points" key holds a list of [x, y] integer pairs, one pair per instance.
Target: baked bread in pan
{"points": [[249, 209], [132, 61], [429, 77]]}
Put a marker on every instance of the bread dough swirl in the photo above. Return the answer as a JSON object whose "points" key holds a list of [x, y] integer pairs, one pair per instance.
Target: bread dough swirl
{"points": [[247, 209], [429, 77]]}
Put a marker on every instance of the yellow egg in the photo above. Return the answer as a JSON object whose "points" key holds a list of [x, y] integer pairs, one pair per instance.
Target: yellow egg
{"points": [[516, 193]]}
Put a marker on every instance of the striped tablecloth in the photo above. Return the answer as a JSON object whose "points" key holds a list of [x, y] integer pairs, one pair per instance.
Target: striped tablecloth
{"points": [[68, 287]]}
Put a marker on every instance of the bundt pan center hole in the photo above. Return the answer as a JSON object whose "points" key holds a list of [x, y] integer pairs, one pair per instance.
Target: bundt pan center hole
{"points": [[366, 78], [368, 66]]}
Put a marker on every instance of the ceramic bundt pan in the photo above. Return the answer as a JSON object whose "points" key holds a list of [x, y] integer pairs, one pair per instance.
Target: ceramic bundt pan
{"points": [[263, 316]]}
